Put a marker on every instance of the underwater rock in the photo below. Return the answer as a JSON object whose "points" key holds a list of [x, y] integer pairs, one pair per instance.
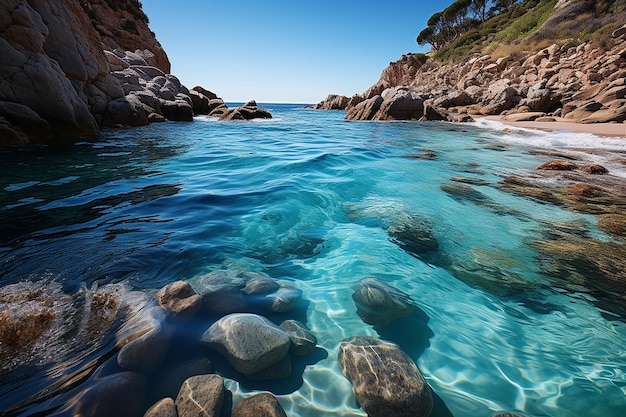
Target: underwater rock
{"points": [[180, 299], [303, 341], [249, 342], [284, 299], [265, 405], [224, 299], [378, 303], [162, 408], [145, 347], [613, 224], [279, 370], [260, 285], [120, 394], [594, 169], [507, 414], [386, 382], [413, 234], [201, 396]]}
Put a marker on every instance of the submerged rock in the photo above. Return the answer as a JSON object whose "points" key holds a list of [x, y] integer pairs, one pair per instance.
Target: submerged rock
{"points": [[378, 303], [250, 343], [386, 382], [201, 396], [303, 341], [260, 405], [120, 394]]}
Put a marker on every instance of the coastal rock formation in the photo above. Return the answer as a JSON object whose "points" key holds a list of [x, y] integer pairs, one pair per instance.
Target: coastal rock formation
{"points": [[582, 83], [70, 67], [378, 303], [386, 382], [122, 24], [250, 343]]}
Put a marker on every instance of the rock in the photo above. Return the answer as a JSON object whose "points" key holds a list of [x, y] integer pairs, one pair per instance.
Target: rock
{"points": [[201, 396], [303, 341], [180, 299], [208, 94], [177, 110], [507, 414], [250, 343], [541, 99], [118, 394], [260, 285], [333, 102], [594, 169], [200, 102], [248, 111], [162, 408], [378, 303], [279, 370], [412, 233], [433, 114], [365, 110], [400, 104], [386, 382], [523, 117], [613, 224], [260, 405], [558, 165], [282, 300], [144, 341], [224, 299]]}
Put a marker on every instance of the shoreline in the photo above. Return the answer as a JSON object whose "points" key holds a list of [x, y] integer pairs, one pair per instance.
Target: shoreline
{"points": [[563, 125]]}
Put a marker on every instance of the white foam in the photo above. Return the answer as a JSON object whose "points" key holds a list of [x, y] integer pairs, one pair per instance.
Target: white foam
{"points": [[553, 139]]}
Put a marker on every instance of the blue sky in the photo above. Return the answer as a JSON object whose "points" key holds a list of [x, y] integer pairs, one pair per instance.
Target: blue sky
{"points": [[286, 51]]}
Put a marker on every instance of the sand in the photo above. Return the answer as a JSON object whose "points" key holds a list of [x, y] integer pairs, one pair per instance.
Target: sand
{"points": [[601, 129]]}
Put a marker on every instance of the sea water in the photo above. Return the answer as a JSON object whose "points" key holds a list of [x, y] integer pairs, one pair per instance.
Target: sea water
{"points": [[308, 198]]}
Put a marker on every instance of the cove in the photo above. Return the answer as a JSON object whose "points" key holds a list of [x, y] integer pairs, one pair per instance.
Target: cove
{"points": [[519, 299]]}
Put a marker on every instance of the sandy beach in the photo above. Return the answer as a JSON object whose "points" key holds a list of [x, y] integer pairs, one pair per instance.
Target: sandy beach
{"points": [[600, 129]]}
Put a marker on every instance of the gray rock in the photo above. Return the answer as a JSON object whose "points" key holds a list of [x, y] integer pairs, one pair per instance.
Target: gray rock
{"points": [[144, 341], [260, 405], [284, 299], [224, 299], [303, 341], [507, 414], [386, 382], [400, 104], [260, 285], [180, 299], [177, 110], [171, 378], [201, 396], [378, 303], [162, 408], [250, 343], [413, 233]]}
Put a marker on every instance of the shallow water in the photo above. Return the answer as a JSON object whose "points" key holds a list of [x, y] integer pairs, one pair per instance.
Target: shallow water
{"points": [[313, 200]]}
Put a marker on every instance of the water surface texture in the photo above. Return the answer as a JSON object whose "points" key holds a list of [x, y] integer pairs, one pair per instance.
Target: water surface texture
{"points": [[321, 203]]}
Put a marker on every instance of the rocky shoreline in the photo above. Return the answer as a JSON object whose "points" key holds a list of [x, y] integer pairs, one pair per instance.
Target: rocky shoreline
{"points": [[71, 67], [583, 84]]}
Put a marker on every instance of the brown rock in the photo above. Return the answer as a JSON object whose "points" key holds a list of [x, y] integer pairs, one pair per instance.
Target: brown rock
{"points": [[365, 110], [594, 169], [613, 224], [260, 405], [201, 396], [162, 408], [558, 165], [180, 299], [584, 190]]}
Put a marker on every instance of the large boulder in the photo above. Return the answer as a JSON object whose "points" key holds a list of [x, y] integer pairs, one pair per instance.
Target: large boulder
{"points": [[386, 382], [248, 111], [400, 103], [162, 408], [250, 343], [201, 396], [333, 102], [365, 110], [378, 303]]}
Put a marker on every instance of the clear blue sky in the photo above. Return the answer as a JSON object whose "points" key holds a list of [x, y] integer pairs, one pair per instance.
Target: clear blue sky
{"points": [[286, 51]]}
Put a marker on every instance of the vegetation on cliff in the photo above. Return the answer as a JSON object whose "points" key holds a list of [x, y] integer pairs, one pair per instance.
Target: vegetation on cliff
{"points": [[506, 28]]}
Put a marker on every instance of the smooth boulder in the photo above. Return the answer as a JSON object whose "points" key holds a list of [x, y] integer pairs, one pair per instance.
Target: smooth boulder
{"points": [[249, 342], [180, 299], [261, 405], [386, 382], [378, 303]]}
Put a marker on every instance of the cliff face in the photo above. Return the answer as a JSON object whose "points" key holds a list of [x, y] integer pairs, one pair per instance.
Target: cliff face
{"points": [[53, 74], [123, 25], [63, 62]]}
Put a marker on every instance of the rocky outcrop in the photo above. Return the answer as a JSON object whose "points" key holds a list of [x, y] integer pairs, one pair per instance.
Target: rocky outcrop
{"points": [[386, 382], [583, 83], [123, 25]]}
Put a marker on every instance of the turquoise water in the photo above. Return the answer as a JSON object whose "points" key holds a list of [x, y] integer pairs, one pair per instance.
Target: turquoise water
{"points": [[311, 199]]}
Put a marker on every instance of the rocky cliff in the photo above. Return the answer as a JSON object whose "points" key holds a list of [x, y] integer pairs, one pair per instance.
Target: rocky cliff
{"points": [[69, 67], [583, 83]]}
